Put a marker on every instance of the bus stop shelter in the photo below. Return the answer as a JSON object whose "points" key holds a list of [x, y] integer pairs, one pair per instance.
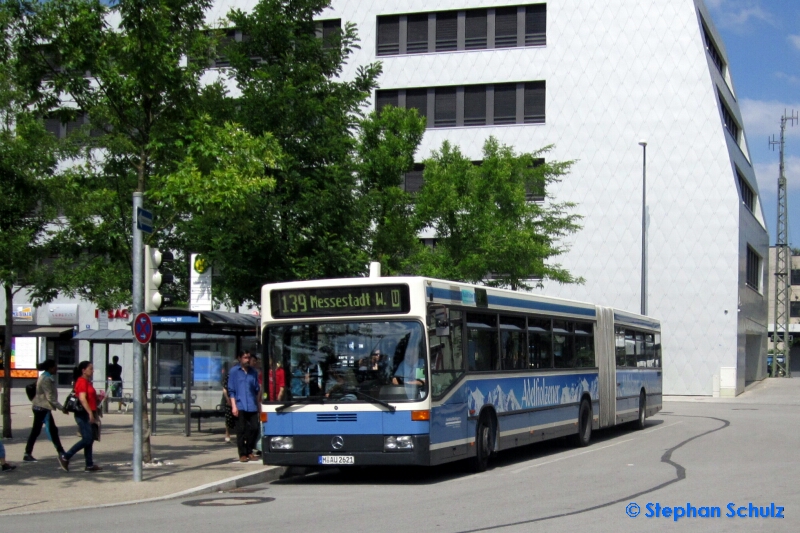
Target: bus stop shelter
{"points": [[190, 353]]}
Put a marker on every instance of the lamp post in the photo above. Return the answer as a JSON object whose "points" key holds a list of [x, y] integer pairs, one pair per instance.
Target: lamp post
{"points": [[643, 144]]}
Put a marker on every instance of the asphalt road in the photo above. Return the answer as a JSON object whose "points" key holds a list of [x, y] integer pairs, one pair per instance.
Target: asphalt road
{"points": [[701, 454]]}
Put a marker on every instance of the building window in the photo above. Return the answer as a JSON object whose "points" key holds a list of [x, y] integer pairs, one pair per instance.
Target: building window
{"points": [[475, 105], [535, 192], [417, 99], [444, 113], [388, 35], [794, 309], [748, 195], [534, 102], [505, 27], [712, 50], [536, 25], [417, 34], [222, 59], [753, 269], [505, 103], [412, 180], [326, 29], [471, 29], [475, 29], [385, 98], [446, 31], [795, 276], [730, 123]]}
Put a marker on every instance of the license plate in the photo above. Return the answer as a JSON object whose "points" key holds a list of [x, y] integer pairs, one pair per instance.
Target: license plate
{"points": [[336, 460]]}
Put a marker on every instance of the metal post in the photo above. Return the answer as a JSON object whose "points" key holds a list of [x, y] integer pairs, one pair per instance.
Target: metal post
{"points": [[137, 348], [187, 385], [643, 289]]}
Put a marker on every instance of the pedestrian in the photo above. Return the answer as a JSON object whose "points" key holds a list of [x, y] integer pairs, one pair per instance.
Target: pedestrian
{"points": [[44, 403], [277, 383], [255, 362], [244, 392], [114, 376], [85, 418], [230, 421]]}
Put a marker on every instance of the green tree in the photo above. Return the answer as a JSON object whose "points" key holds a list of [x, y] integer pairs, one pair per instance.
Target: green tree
{"points": [[313, 225], [387, 144], [486, 229], [28, 156]]}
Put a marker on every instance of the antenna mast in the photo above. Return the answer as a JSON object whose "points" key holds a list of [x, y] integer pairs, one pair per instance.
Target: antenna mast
{"points": [[780, 330]]}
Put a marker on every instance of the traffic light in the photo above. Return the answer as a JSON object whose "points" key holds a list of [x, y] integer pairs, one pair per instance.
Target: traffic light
{"points": [[154, 279]]}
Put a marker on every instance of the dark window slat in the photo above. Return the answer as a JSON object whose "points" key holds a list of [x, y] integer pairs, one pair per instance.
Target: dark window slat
{"points": [[536, 25], [446, 31], [475, 105], [417, 41], [505, 27], [388, 35], [384, 98], [475, 29], [505, 103], [535, 93], [417, 99], [445, 112]]}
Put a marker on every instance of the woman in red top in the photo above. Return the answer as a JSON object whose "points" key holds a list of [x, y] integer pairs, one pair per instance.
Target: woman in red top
{"points": [[86, 418]]}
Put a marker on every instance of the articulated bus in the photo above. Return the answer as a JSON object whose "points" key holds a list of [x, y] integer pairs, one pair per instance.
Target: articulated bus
{"points": [[419, 371]]}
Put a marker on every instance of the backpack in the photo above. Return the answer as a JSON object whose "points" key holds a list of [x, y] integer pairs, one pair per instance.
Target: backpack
{"points": [[30, 390]]}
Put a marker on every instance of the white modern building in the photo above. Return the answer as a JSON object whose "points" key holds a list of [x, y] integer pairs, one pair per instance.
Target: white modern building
{"points": [[593, 79]]}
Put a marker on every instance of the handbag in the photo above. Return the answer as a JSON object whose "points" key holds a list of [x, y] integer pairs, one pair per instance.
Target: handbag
{"points": [[72, 404], [30, 390]]}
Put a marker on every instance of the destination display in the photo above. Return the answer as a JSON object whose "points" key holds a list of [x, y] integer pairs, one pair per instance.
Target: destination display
{"points": [[337, 301]]}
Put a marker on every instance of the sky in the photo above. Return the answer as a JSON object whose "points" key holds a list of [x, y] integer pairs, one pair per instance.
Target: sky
{"points": [[762, 40]]}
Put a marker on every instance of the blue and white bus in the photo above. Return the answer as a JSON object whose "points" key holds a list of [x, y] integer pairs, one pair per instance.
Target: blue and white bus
{"points": [[420, 371]]}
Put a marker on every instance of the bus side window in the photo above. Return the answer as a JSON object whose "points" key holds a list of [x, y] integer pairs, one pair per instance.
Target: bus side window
{"points": [[584, 345], [620, 346], [658, 350], [563, 344], [512, 343], [483, 342], [540, 343], [447, 362], [649, 351], [641, 360], [630, 348]]}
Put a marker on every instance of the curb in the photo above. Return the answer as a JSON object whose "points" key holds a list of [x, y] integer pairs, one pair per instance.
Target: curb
{"points": [[265, 475]]}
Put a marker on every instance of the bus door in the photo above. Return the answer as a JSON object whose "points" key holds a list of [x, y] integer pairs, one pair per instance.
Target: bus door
{"points": [[449, 428]]}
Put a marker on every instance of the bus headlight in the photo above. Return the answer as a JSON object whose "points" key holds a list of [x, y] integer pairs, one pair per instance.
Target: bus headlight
{"points": [[401, 443], [281, 443]]}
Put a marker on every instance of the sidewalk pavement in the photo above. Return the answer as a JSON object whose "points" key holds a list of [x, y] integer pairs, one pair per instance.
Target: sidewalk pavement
{"points": [[198, 464], [775, 391]]}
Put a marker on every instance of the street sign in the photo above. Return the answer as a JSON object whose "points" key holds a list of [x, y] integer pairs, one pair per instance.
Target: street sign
{"points": [[143, 328], [144, 220]]}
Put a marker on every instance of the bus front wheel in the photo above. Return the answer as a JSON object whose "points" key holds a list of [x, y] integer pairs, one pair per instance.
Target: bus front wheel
{"points": [[483, 446]]}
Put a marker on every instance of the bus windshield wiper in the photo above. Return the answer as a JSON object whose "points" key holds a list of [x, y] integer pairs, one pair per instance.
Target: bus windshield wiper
{"points": [[307, 399], [371, 399]]}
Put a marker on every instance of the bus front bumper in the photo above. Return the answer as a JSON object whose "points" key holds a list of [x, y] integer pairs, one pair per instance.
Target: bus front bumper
{"points": [[357, 450]]}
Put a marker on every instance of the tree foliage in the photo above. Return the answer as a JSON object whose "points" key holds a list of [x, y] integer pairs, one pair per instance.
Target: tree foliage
{"points": [[28, 157], [486, 229]]}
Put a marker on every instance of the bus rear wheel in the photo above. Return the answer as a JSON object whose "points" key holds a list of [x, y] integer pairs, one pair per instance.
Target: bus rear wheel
{"points": [[483, 446], [584, 434], [642, 412]]}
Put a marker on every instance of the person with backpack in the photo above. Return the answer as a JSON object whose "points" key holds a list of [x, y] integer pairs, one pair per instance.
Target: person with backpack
{"points": [[45, 401]]}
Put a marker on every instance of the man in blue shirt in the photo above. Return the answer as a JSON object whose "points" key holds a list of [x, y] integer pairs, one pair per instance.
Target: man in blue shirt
{"points": [[245, 394]]}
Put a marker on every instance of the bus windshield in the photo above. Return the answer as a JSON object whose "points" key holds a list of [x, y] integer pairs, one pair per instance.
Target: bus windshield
{"points": [[348, 361]]}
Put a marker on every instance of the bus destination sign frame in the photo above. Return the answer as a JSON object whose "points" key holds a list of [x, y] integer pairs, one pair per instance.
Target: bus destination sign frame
{"points": [[341, 301]]}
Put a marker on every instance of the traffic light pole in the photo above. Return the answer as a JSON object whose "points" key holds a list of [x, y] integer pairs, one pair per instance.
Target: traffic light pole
{"points": [[137, 348]]}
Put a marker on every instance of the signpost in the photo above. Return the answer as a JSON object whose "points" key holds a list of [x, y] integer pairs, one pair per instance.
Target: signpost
{"points": [[143, 328]]}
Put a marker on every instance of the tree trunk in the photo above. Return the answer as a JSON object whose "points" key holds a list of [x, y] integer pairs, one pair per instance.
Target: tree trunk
{"points": [[9, 334]]}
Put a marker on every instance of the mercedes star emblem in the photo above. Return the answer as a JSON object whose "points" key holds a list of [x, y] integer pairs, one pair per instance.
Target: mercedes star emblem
{"points": [[337, 442]]}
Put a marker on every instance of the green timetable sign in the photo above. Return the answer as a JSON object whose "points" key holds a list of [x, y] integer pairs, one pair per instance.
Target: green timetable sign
{"points": [[340, 301]]}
